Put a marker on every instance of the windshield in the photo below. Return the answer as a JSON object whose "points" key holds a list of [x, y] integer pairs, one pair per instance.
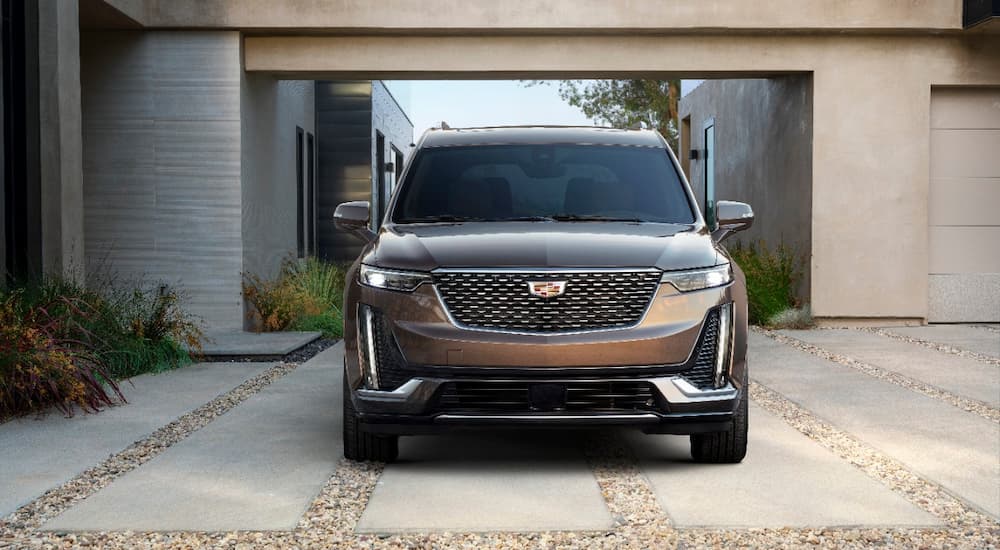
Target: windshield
{"points": [[543, 182]]}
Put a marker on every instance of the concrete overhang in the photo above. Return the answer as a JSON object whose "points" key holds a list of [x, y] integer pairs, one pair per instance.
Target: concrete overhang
{"points": [[516, 57], [544, 16]]}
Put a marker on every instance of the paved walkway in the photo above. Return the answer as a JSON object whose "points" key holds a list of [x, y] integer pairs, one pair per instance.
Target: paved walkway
{"points": [[257, 467], [273, 462], [222, 343], [39, 453]]}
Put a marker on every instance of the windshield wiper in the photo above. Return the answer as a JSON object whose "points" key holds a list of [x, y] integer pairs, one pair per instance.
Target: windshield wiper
{"points": [[444, 218], [523, 219], [591, 218]]}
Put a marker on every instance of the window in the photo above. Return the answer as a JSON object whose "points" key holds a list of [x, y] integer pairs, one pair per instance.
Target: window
{"points": [[311, 194], [381, 196], [509, 182], [299, 196], [710, 172], [398, 165]]}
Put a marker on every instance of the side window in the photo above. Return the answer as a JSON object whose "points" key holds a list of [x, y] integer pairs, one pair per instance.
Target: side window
{"points": [[311, 193], [300, 242], [709, 206], [381, 197], [397, 163]]}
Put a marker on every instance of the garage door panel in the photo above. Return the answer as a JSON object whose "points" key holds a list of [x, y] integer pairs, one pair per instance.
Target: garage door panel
{"points": [[964, 206], [964, 250], [965, 108], [965, 201], [965, 153], [964, 298]]}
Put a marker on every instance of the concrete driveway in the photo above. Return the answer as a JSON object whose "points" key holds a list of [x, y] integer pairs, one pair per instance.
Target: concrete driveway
{"points": [[858, 436]]}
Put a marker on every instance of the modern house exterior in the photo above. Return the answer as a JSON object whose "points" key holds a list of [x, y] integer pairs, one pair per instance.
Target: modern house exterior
{"points": [[193, 171], [119, 96], [750, 140]]}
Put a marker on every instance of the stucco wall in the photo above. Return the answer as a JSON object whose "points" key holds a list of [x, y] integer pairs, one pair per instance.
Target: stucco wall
{"points": [[763, 155], [523, 16], [161, 150], [272, 109]]}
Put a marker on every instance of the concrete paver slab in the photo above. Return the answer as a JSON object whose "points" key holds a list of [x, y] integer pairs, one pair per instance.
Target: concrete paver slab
{"points": [[951, 447], [965, 337], [506, 481], [258, 467], [233, 342], [960, 375], [786, 480], [38, 454]]}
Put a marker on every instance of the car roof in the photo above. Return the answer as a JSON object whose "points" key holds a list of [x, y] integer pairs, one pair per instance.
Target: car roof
{"points": [[519, 135]]}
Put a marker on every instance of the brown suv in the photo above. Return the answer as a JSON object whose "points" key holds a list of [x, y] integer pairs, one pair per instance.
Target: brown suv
{"points": [[545, 277]]}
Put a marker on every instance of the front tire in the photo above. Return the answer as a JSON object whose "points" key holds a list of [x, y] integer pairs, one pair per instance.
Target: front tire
{"points": [[361, 445], [729, 447]]}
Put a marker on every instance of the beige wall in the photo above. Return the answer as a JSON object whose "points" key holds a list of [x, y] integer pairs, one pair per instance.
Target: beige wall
{"points": [[550, 15], [871, 119]]}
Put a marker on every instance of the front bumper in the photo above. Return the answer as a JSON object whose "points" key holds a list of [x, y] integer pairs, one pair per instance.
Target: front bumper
{"points": [[420, 355], [680, 408]]}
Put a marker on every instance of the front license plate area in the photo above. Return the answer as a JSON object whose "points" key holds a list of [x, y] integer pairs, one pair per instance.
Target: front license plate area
{"points": [[547, 397]]}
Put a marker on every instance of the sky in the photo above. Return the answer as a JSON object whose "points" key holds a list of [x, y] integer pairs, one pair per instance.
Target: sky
{"points": [[463, 103]]}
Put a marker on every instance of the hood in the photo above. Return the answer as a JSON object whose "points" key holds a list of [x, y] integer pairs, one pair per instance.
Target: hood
{"points": [[542, 244]]}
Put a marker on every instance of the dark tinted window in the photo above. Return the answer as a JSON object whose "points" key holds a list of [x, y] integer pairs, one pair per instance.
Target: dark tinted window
{"points": [[501, 182]]}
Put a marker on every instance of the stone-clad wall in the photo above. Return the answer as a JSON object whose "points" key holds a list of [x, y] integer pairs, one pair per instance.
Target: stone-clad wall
{"points": [[161, 163]]}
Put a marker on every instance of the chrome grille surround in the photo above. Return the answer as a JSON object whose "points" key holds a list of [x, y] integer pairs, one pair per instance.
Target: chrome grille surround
{"points": [[594, 299]]}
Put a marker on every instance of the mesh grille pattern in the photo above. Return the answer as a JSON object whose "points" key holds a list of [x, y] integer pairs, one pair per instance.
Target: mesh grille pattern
{"points": [[389, 362], [624, 395], [702, 374], [502, 301]]}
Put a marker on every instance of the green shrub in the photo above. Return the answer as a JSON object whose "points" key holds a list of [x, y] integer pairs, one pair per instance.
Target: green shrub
{"points": [[113, 329], [772, 276], [792, 318], [146, 330], [49, 358], [306, 295], [330, 323]]}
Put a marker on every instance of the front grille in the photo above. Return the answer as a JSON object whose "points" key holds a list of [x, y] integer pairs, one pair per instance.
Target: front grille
{"points": [[603, 396], [591, 301], [702, 372]]}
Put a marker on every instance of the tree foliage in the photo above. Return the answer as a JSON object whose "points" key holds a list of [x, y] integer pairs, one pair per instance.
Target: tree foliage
{"points": [[622, 103]]}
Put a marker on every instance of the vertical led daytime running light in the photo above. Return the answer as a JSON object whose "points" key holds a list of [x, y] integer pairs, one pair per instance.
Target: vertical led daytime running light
{"points": [[724, 345], [366, 346]]}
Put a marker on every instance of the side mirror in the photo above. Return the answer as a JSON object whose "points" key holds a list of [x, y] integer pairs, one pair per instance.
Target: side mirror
{"points": [[354, 216], [733, 217]]}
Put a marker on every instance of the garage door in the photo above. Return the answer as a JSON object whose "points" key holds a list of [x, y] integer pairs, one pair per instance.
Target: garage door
{"points": [[964, 281]]}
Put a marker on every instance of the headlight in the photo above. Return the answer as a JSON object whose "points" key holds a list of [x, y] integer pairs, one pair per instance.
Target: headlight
{"points": [[405, 281], [698, 279]]}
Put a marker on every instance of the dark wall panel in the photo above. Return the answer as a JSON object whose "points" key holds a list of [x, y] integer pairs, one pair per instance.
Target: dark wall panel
{"points": [[343, 130]]}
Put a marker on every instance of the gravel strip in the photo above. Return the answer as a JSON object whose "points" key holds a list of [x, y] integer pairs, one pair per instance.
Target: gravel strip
{"points": [[934, 345], [969, 405]]}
